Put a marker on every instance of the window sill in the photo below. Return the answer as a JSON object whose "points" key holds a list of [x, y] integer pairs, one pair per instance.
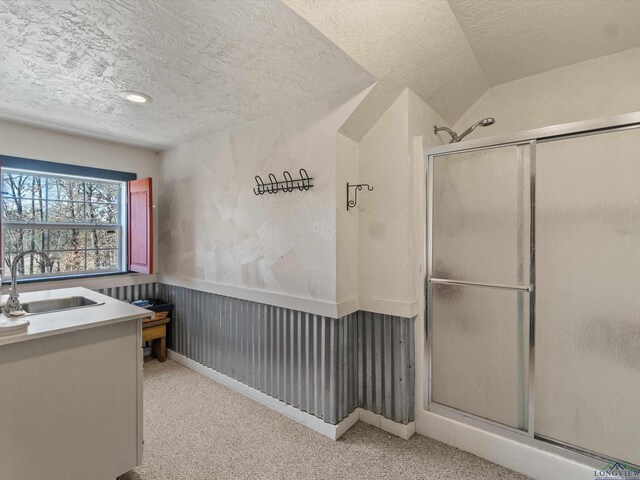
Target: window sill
{"points": [[90, 281], [82, 276]]}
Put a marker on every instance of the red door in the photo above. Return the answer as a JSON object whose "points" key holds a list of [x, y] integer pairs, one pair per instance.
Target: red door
{"points": [[140, 229]]}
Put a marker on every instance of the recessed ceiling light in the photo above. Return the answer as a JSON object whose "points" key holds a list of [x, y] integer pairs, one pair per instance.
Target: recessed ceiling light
{"points": [[135, 97]]}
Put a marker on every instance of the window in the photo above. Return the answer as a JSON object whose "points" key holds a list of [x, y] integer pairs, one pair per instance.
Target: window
{"points": [[77, 221]]}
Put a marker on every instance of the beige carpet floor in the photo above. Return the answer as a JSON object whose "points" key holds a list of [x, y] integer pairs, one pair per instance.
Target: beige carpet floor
{"points": [[196, 429]]}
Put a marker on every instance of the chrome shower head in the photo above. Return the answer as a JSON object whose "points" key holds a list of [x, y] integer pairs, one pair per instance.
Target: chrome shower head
{"points": [[485, 122]]}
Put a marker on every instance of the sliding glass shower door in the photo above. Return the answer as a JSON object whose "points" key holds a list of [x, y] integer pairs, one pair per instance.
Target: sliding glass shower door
{"points": [[588, 294], [479, 282], [533, 290]]}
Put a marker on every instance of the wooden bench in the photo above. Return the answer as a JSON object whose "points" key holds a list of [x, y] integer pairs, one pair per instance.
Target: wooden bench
{"points": [[155, 331]]}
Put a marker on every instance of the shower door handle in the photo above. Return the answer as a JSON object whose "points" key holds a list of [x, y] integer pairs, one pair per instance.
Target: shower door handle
{"points": [[443, 281]]}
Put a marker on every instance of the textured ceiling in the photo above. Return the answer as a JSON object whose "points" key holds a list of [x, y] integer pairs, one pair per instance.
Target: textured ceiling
{"points": [[209, 66], [451, 52], [515, 38], [213, 65], [414, 43]]}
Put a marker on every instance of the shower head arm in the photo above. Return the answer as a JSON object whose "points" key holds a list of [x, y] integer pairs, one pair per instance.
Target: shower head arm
{"points": [[454, 135], [468, 131]]}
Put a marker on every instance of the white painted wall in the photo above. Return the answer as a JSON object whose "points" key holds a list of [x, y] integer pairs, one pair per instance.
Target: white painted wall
{"points": [[216, 232], [38, 144], [595, 88], [384, 243], [346, 225], [389, 245]]}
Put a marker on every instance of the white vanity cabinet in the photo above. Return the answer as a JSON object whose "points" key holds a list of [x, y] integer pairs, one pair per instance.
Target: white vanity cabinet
{"points": [[71, 392]]}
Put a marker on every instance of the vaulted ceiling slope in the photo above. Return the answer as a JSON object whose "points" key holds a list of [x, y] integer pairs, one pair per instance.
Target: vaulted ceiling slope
{"points": [[514, 39], [451, 51], [414, 43], [209, 66]]}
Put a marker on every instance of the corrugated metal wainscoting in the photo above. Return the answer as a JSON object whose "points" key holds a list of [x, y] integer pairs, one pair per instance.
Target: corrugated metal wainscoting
{"points": [[386, 371], [130, 293], [321, 365]]}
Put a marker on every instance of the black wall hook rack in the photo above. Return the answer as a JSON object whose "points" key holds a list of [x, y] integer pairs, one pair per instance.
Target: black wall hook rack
{"points": [[288, 185], [351, 202]]}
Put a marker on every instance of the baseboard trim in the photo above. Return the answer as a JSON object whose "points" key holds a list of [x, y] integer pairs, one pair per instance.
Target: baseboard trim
{"points": [[398, 429], [333, 432], [328, 430]]}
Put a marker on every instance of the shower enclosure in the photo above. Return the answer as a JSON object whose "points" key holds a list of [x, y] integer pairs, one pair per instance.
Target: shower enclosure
{"points": [[533, 288]]}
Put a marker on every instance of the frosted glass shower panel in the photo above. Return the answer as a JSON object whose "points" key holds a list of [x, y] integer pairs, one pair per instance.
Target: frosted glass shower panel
{"points": [[588, 293], [481, 215], [480, 351]]}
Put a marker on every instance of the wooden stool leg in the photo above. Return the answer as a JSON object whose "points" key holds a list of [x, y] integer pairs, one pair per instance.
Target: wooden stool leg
{"points": [[157, 335], [162, 349]]}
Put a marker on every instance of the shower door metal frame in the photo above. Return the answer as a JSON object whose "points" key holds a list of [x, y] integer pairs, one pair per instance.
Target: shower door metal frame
{"points": [[531, 138], [530, 289]]}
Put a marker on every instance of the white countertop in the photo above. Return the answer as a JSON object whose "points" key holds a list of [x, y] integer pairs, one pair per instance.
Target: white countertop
{"points": [[55, 323]]}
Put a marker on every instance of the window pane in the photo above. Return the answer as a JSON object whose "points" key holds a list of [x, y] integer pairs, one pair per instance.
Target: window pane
{"points": [[29, 265], [66, 239], [102, 260], [102, 192], [61, 212], [66, 248], [66, 189], [23, 210], [68, 261], [102, 213], [99, 239], [22, 185], [21, 239]]}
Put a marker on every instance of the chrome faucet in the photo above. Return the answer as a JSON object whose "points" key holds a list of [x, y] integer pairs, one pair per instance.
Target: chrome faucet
{"points": [[13, 302]]}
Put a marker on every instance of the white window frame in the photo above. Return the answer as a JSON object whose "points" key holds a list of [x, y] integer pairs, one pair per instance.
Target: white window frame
{"points": [[120, 227]]}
